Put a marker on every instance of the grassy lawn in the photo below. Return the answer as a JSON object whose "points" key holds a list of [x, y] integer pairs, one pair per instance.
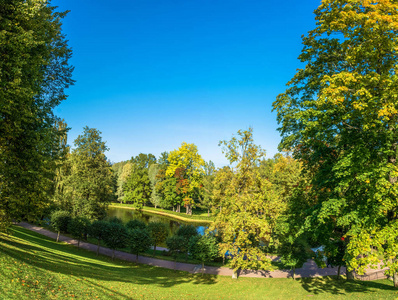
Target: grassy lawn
{"points": [[35, 267], [199, 216]]}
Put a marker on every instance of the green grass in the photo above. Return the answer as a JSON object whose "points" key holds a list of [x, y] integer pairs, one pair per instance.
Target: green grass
{"points": [[199, 216], [35, 267]]}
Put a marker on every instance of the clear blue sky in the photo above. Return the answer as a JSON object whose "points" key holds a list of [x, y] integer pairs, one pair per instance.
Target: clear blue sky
{"points": [[153, 74]]}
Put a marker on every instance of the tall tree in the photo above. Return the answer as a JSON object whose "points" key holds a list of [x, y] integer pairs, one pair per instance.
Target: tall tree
{"points": [[90, 184], [206, 192], [186, 164], [250, 208], [153, 172], [34, 73], [137, 188], [339, 114]]}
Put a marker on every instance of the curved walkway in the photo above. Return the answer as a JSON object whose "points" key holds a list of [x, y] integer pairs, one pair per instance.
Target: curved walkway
{"points": [[310, 269]]}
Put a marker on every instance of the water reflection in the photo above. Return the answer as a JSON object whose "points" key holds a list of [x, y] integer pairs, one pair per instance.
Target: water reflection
{"points": [[128, 214]]}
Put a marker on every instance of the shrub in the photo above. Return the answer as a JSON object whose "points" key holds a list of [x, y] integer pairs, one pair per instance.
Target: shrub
{"points": [[78, 227], [158, 232], [60, 220]]}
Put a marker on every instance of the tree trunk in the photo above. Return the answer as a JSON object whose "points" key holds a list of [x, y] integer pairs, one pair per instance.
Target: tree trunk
{"points": [[154, 250], [208, 212], [186, 209], [113, 254], [235, 274], [136, 258], [179, 208], [58, 237], [156, 206], [395, 280], [78, 243], [350, 275], [293, 272], [98, 245], [338, 272], [173, 208]]}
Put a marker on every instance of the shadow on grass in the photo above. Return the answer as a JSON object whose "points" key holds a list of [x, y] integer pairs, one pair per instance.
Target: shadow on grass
{"points": [[333, 285], [44, 254]]}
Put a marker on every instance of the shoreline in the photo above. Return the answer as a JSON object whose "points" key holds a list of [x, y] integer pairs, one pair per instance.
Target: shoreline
{"points": [[180, 218]]}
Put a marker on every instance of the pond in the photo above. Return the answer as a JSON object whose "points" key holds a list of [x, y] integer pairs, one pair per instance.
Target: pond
{"points": [[172, 225]]}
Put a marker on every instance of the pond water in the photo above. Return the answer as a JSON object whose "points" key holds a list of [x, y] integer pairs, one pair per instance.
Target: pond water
{"points": [[172, 225]]}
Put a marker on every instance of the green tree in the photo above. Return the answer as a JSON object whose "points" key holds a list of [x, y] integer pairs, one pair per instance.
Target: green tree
{"points": [[186, 232], [206, 192], [115, 237], [78, 227], [135, 224], [60, 220], [98, 230], [153, 171], [175, 244], [34, 73], [339, 115], [139, 240], [203, 248], [90, 184], [158, 232], [137, 188], [250, 207]]}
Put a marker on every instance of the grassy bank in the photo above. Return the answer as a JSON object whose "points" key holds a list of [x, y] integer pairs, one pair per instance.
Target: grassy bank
{"points": [[198, 216], [35, 267]]}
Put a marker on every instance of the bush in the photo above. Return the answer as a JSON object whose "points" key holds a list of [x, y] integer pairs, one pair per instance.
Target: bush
{"points": [[158, 232], [60, 220], [203, 248], [98, 230], [135, 224], [186, 232], [115, 220], [115, 237], [78, 228], [139, 240]]}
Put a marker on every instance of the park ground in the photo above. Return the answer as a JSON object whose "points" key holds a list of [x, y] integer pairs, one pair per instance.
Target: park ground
{"points": [[33, 266]]}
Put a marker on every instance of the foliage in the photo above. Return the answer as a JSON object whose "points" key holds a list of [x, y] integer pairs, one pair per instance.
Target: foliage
{"points": [[60, 220], [139, 240], [115, 220], [156, 198], [122, 171], [115, 237], [186, 165], [293, 253], [203, 248], [186, 232], [249, 205], [135, 224], [339, 115], [206, 192], [98, 229], [158, 233], [137, 188], [90, 185], [34, 73], [78, 227]]}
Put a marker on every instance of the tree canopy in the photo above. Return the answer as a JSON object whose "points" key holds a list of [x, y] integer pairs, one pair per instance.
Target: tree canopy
{"points": [[339, 116], [35, 72]]}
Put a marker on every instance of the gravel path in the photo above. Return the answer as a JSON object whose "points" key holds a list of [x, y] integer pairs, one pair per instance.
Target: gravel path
{"points": [[309, 269]]}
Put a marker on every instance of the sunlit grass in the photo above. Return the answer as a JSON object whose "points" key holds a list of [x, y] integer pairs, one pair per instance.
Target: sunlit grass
{"points": [[35, 267]]}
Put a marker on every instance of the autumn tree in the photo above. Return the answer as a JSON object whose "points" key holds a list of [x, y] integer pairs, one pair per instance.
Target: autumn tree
{"points": [[35, 72], [186, 165], [250, 208], [339, 115]]}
